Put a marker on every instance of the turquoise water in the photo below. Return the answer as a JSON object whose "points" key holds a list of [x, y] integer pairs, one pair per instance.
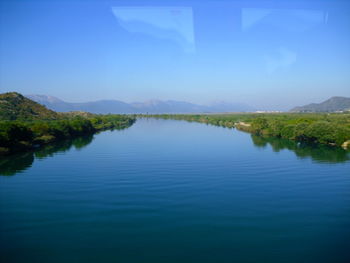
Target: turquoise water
{"points": [[173, 191]]}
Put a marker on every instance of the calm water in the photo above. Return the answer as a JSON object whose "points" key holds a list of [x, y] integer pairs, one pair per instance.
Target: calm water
{"points": [[173, 191]]}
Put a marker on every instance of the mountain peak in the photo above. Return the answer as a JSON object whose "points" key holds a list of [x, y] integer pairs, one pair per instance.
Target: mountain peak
{"points": [[43, 98], [332, 104], [153, 106]]}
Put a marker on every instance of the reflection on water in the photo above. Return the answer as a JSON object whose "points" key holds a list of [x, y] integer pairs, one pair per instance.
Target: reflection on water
{"points": [[10, 165], [161, 182], [318, 153]]}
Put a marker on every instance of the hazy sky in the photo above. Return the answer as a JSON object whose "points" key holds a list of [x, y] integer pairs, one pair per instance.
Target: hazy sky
{"points": [[268, 54]]}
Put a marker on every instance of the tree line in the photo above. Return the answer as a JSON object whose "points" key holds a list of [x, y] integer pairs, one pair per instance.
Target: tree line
{"points": [[327, 128], [21, 135]]}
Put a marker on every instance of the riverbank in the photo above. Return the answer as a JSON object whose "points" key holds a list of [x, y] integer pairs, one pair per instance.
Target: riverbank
{"points": [[321, 128], [19, 136]]}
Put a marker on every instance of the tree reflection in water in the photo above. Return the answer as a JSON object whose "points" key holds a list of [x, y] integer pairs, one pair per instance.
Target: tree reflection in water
{"points": [[13, 164], [317, 152]]}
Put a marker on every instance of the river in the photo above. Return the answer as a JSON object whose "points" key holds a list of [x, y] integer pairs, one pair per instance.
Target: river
{"points": [[174, 191]]}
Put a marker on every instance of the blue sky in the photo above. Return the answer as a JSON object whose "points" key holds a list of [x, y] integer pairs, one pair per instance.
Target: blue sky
{"points": [[271, 55]]}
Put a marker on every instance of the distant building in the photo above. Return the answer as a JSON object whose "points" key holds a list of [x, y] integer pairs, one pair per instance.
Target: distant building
{"points": [[269, 111]]}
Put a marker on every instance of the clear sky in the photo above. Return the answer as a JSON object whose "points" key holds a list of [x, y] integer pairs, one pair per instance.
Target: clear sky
{"points": [[268, 54]]}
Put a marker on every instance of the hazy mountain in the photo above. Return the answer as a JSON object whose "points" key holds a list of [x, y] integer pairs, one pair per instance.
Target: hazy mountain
{"points": [[151, 106], [169, 106], [100, 107], [104, 107], [52, 103], [223, 106], [14, 106], [331, 105]]}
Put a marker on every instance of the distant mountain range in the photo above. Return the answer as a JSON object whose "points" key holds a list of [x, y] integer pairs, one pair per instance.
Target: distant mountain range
{"points": [[14, 105], [152, 106], [331, 105]]}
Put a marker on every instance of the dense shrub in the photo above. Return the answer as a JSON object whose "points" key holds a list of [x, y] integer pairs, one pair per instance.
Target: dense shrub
{"points": [[304, 127], [18, 135]]}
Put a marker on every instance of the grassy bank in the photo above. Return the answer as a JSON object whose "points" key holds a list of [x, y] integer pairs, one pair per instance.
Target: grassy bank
{"points": [[330, 128], [22, 135]]}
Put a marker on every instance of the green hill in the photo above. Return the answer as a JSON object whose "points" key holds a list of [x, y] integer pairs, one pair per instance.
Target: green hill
{"points": [[331, 105], [14, 106], [27, 125]]}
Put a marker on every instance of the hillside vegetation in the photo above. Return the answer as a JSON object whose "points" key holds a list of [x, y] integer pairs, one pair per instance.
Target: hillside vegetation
{"points": [[330, 129], [14, 106], [25, 124]]}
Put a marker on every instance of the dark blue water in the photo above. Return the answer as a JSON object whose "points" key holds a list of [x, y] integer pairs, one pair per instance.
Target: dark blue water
{"points": [[173, 191]]}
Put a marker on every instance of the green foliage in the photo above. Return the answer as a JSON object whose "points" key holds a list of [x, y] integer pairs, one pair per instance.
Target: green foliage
{"points": [[259, 125], [25, 124], [323, 128], [321, 131], [287, 131], [14, 106], [333, 129], [14, 132], [19, 135]]}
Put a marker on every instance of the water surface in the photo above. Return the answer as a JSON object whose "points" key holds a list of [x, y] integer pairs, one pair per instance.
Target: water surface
{"points": [[173, 191]]}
